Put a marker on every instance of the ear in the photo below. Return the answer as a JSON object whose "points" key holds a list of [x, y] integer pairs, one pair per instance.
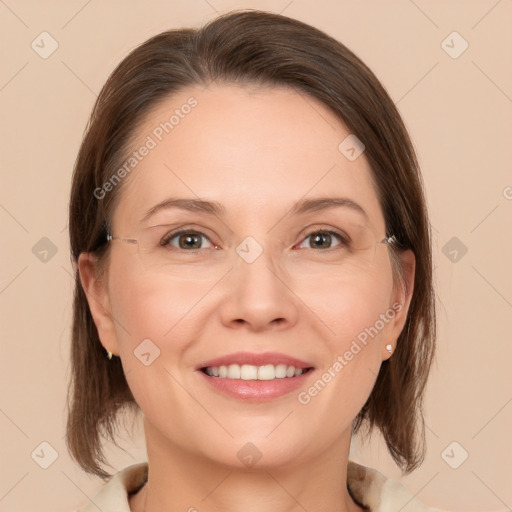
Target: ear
{"points": [[400, 302], [96, 290]]}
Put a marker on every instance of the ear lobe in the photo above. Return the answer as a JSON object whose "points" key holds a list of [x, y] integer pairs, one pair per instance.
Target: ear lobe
{"points": [[402, 299], [96, 291]]}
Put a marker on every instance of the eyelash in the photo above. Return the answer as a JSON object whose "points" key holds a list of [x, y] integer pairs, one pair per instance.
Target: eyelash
{"points": [[342, 239]]}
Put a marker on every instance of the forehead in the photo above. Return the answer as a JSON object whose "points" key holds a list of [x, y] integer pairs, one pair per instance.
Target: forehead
{"points": [[255, 150]]}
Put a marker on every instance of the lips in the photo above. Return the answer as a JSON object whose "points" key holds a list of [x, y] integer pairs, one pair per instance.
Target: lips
{"points": [[255, 377], [247, 358]]}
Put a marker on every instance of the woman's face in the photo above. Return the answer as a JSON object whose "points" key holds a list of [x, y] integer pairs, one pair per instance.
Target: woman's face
{"points": [[256, 282]]}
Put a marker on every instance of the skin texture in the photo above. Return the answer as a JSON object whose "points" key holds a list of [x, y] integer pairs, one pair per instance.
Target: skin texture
{"points": [[257, 152]]}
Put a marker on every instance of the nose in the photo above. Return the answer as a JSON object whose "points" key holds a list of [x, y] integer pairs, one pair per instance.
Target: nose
{"points": [[258, 297]]}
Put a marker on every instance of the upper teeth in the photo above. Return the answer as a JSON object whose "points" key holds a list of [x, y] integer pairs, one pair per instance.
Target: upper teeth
{"points": [[250, 372]]}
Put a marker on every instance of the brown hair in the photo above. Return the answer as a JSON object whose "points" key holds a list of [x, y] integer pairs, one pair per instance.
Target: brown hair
{"points": [[260, 48]]}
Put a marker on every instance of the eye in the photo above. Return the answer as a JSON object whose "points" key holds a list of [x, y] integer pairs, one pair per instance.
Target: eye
{"points": [[187, 240], [323, 239]]}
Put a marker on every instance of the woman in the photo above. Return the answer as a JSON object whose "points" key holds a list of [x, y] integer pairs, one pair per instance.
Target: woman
{"points": [[253, 273]]}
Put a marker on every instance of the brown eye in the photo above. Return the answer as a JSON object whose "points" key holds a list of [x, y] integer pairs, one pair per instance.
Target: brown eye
{"points": [[189, 241], [186, 240], [322, 240]]}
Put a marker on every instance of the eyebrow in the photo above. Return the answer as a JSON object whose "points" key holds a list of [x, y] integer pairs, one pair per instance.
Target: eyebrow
{"points": [[192, 205], [215, 208], [324, 203]]}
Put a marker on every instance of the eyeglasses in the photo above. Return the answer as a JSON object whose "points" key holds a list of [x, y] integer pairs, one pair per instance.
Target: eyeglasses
{"points": [[169, 249]]}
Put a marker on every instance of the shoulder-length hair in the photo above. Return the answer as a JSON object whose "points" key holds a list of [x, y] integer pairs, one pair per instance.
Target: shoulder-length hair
{"points": [[249, 47]]}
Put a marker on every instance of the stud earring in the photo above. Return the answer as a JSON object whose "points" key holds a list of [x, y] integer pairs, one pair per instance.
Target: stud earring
{"points": [[109, 354], [389, 348]]}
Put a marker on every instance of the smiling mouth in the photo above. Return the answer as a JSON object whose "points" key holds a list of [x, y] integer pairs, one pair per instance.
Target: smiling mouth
{"points": [[251, 372]]}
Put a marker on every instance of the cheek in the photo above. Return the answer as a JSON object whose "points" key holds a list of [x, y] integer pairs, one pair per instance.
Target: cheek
{"points": [[155, 324], [151, 306], [348, 307], [353, 352], [354, 315]]}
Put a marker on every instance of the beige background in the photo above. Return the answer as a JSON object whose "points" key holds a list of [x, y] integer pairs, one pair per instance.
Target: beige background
{"points": [[458, 111]]}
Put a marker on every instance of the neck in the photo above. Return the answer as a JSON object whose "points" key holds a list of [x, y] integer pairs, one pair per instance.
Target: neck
{"points": [[180, 480]]}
